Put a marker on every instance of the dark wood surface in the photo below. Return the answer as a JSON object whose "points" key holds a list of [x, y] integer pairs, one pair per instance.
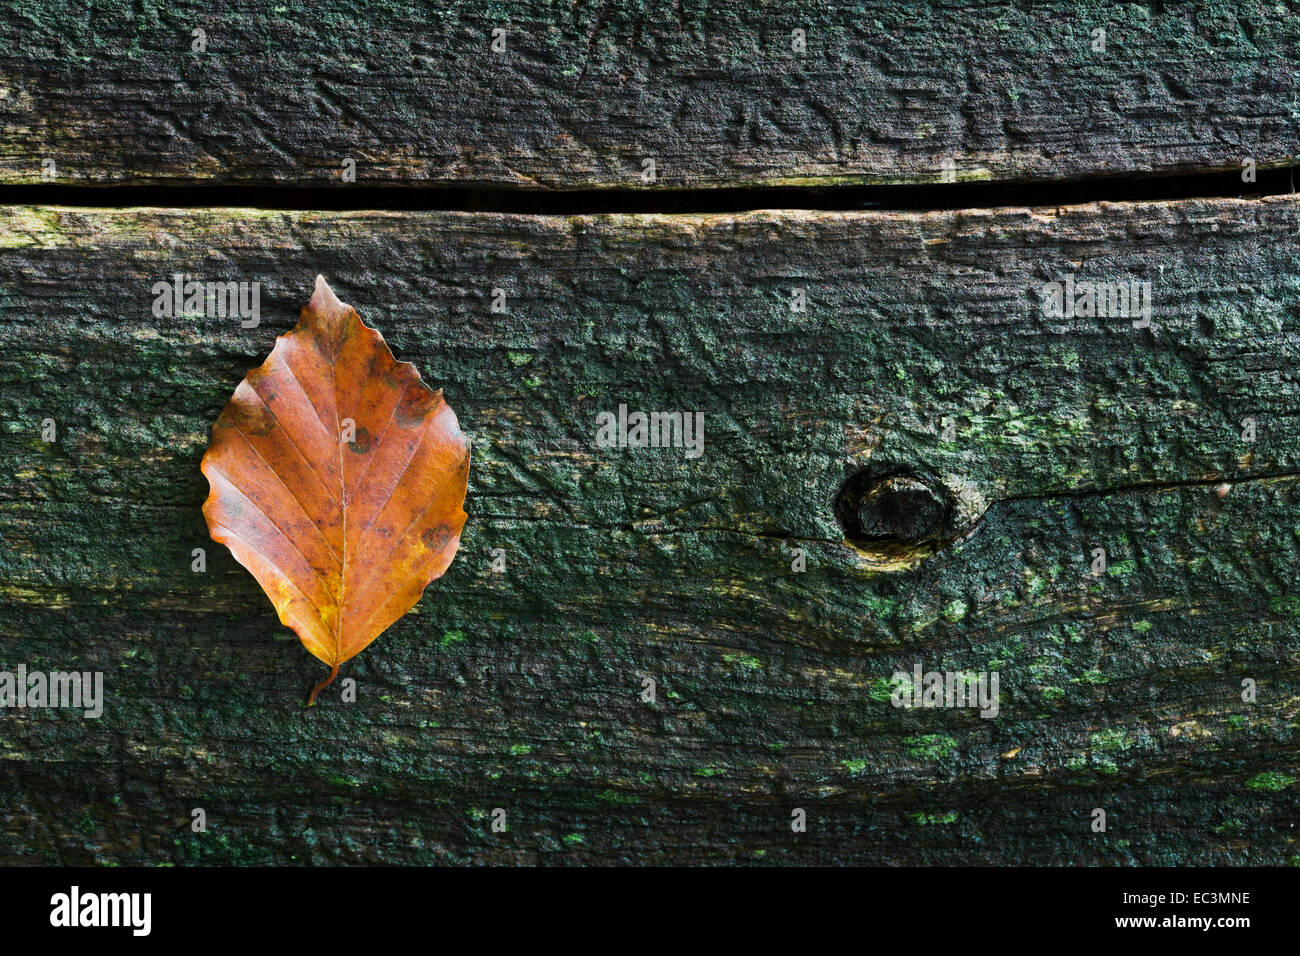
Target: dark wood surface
{"points": [[585, 91], [521, 690]]}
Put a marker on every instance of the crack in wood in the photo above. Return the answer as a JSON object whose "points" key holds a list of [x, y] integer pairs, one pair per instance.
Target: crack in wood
{"points": [[648, 199]]}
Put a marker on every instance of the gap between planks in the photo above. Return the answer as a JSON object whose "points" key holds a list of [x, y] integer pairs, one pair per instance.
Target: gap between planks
{"points": [[650, 200]]}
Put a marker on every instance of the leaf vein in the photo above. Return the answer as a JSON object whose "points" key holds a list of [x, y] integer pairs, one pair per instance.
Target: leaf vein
{"points": [[310, 464], [397, 541], [310, 404], [283, 534], [292, 494]]}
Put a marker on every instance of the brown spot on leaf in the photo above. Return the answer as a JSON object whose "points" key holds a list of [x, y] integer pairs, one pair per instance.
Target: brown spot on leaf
{"points": [[435, 539], [416, 407], [363, 441], [253, 418]]}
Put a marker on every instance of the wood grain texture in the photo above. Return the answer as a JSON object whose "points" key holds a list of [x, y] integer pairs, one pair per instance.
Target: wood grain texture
{"points": [[521, 689], [886, 93]]}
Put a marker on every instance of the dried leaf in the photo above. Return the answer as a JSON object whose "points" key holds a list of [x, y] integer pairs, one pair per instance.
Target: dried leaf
{"points": [[338, 479]]}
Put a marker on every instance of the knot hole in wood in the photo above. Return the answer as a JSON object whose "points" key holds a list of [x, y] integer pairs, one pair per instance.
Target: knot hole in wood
{"points": [[897, 518]]}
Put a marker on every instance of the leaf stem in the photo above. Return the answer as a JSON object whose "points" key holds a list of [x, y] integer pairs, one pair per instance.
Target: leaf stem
{"points": [[334, 672]]}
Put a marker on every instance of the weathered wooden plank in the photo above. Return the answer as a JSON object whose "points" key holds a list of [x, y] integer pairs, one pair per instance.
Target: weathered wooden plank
{"points": [[584, 92], [521, 690]]}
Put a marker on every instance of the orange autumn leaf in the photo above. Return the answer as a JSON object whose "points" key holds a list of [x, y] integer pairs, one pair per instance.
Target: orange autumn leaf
{"points": [[338, 479]]}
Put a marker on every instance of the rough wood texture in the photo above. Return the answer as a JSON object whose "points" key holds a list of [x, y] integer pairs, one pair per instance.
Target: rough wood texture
{"points": [[521, 690], [586, 90]]}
